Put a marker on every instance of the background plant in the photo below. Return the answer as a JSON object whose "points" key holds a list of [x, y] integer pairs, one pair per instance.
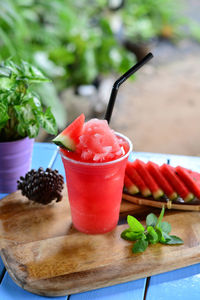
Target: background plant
{"points": [[67, 45], [145, 20], [73, 41], [21, 112]]}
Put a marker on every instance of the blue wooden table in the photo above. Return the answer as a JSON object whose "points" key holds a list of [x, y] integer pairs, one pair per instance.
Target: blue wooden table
{"points": [[179, 284]]}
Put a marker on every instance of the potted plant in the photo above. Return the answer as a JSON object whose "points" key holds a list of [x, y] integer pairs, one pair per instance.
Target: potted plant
{"points": [[21, 117]]}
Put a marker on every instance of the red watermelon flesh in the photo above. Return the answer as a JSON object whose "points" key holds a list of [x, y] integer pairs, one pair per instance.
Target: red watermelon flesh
{"points": [[195, 176], [188, 180], [155, 172], [69, 137], [142, 169], [130, 186], [137, 180], [170, 175]]}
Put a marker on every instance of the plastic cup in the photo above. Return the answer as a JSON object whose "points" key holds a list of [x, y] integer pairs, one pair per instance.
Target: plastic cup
{"points": [[95, 191]]}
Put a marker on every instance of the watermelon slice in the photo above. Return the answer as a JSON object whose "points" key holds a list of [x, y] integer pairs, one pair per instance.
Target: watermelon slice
{"points": [[170, 174], [69, 137], [155, 172], [137, 180], [130, 186], [141, 168], [188, 180], [195, 176]]}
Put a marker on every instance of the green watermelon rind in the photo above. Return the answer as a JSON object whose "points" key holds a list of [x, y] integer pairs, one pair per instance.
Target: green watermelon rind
{"points": [[69, 137], [65, 142]]}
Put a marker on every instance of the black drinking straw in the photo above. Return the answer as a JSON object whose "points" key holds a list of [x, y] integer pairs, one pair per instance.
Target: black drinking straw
{"points": [[120, 80]]}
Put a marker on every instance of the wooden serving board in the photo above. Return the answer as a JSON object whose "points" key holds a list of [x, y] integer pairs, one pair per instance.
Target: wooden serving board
{"points": [[46, 255]]}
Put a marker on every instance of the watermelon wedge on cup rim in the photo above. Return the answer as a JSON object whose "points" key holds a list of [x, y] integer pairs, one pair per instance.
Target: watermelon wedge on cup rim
{"points": [[69, 137]]}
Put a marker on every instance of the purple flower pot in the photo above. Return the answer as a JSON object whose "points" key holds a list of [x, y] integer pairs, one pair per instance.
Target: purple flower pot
{"points": [[15, 161]]}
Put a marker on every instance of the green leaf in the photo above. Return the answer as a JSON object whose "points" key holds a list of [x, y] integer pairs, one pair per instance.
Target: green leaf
{"points": [[4, 72], [130, 235], [5, 83], [33, 129], [22, 129], [151, 220], [48, 122], [140, 246], [160, 217], [172, 240], [3, 115], [134, 224], [160, 234], [32, 73], [166, 227], [152, 236], [25, 113]]}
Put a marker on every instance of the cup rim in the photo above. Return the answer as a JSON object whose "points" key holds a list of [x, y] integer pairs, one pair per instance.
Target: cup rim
{"points": [[103, 163]]}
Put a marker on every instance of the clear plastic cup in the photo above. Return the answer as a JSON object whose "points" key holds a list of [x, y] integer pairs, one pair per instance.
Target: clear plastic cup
{"points": [[95, 191]]}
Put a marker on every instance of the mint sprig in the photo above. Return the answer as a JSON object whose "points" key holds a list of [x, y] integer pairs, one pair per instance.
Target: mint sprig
{"points": [[155, 232]]}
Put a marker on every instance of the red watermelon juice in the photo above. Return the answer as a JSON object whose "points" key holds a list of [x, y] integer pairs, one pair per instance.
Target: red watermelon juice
{"points": [[95, 176]]}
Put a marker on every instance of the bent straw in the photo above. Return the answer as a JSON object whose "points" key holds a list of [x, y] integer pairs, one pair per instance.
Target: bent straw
{"points": [[120, 80]]}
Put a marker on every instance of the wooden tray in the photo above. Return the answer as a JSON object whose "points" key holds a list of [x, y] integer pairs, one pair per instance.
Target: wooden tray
{"points": [[45, 255], [193, 206]]}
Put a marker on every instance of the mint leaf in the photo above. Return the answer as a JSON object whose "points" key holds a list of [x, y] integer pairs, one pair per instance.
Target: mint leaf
{"points": [[134, 224], [151, 220], [166, 227], [130, 235], [152, 236], [173, 240], [161, 235], [156, 232], [140, 246]]}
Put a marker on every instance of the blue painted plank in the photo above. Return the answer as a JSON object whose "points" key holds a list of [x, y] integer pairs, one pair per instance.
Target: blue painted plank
{"points": [[3, 195], [125, 291], [42, 154], [59, 165], [182, 284], [2, 270], [10, 290]]}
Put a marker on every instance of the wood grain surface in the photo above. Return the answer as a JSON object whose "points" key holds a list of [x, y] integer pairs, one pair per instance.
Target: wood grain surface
{"points": [[46, 255]]}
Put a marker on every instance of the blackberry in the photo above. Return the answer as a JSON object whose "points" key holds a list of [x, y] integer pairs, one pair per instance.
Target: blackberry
{"points": [[42, 186]]}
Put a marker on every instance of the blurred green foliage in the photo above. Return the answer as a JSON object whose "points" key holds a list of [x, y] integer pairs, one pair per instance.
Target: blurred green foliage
{"points": [[68, 40], [73, 41], [148, 19]]}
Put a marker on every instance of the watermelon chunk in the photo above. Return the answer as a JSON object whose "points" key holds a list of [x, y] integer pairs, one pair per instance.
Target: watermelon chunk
{"points": [[195, 176], [137, 180], [69, 137], [188, 180], [170, 174], [141, 168], [155, 172], [130, 186]]}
